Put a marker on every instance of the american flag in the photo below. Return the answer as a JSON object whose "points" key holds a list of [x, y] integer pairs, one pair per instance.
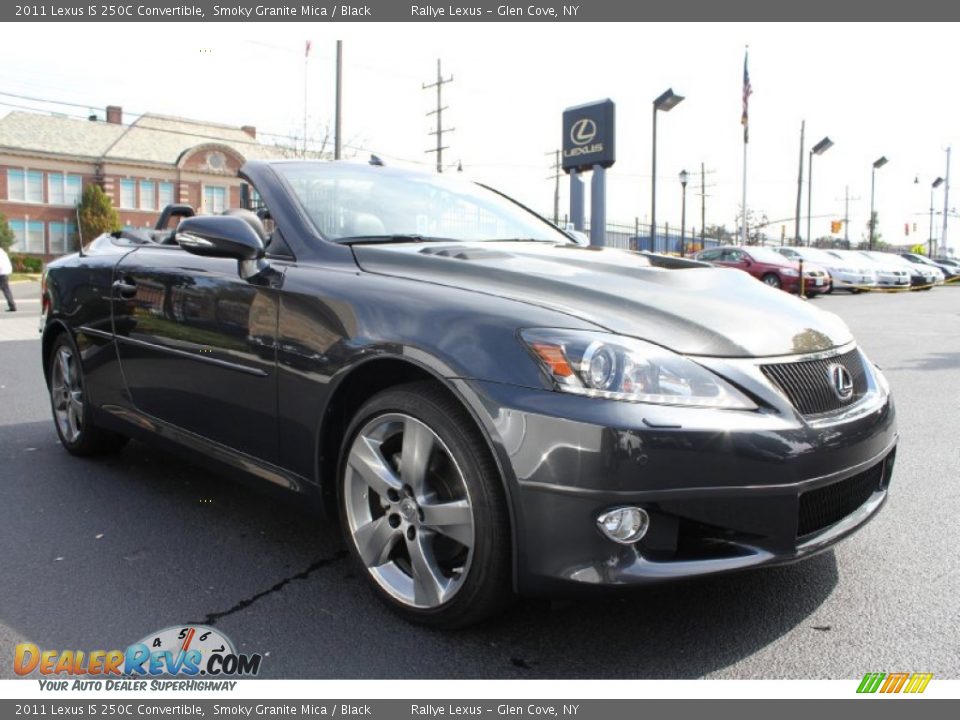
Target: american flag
{"points": [[747, 92]]}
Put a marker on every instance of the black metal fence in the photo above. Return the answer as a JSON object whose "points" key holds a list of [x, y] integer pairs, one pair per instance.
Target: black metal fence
{"points": [[667, 240]]}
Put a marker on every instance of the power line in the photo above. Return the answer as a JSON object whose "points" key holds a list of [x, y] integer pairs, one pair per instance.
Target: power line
{"points": [[441, 81]]}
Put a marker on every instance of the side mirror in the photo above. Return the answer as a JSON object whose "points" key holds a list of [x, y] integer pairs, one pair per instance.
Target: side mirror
{"points": [[225, 236]]}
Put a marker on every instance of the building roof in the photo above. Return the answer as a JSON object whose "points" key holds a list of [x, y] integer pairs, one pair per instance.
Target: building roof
{"points": [[150, 138]]}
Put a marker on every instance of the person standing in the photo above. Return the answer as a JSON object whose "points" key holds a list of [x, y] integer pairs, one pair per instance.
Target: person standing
{"points": [[6, 268]]}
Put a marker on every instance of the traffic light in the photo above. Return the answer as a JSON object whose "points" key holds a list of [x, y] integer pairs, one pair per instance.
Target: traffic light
{"points": [[836, 226]]}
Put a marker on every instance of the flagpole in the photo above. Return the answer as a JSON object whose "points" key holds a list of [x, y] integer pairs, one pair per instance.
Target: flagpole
{"points": [[747, 91], [743, 219], [306, 58]]}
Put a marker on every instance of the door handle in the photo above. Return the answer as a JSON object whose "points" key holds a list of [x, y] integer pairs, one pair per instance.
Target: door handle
{"points": [[124, 289]]}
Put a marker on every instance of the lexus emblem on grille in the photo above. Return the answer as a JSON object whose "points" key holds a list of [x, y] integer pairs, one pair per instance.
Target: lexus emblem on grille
{"points": [[840, 381]]}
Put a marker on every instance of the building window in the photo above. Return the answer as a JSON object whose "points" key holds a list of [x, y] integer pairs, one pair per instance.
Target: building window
{"points": [[128, 194], [165, 194], [28, 236], [148, 195], [214, 199], [63, 189], [25, 185], [73, 191], [55, 188], [19, 228], [62, 237]]}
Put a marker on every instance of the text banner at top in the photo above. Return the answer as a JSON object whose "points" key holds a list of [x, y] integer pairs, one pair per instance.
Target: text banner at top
{"points": [[479, 11]]}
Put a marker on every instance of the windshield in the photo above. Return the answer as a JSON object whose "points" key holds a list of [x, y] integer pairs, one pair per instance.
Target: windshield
{"points": [[766, 255], [818, 256], [364, 202]]}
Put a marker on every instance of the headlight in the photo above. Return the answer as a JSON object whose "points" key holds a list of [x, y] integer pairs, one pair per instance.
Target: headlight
{"points": [[620, 368], [790, 272]]}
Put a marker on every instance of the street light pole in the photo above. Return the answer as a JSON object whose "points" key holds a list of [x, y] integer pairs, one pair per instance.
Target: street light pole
{"points": [[683, 214], [819, 149], [666, 102], [878, 163], [934, 186]]}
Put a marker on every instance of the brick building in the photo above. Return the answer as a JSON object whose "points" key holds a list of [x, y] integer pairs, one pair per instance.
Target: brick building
{"points": [[46, 161]]}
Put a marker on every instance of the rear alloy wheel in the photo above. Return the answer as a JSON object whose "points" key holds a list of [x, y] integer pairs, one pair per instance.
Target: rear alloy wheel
{"points": [[772, 280], [423, 509], [71, 411]]}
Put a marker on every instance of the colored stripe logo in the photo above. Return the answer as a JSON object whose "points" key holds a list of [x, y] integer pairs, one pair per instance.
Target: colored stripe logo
{"points": [[913, 683]]}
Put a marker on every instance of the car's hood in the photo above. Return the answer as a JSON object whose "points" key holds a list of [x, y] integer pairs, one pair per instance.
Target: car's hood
{"points": [[698, 311]]}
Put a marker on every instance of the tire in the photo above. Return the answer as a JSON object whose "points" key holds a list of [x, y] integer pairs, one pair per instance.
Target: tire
{"points": [[772, 280], [72, 414], [435, 545]]}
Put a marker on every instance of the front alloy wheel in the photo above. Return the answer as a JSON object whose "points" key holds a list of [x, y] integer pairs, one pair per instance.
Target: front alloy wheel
{"points": [[423, 510]]}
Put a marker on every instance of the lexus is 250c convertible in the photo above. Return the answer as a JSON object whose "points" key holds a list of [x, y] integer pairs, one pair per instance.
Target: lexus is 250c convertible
{"points": [[490, 408]]}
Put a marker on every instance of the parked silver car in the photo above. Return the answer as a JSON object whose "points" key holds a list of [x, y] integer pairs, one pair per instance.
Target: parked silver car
{"points": [[846, 274]]}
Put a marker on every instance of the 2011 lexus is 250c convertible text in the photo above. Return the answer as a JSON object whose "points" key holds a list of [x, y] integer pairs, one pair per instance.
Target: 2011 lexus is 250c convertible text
{"points": [[490, 408]]}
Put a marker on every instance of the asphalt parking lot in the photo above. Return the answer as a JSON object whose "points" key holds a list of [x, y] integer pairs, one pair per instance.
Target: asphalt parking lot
{"points": [[97, 554]]}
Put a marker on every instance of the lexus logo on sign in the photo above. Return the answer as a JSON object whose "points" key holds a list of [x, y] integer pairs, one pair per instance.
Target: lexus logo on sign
{"points": [[588, 136], [583, 131], [841, 381]]}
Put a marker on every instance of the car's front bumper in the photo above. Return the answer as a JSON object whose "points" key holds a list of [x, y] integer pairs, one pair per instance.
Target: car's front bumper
{"points": [[853, 281], [725, 490]]}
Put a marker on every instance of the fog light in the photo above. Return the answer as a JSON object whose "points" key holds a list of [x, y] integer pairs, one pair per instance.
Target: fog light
{"points": [[624, 525]]}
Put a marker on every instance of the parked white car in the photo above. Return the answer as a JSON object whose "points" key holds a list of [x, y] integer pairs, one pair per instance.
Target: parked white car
{"points": [[918, 275], [886, 273], [847, 274]]}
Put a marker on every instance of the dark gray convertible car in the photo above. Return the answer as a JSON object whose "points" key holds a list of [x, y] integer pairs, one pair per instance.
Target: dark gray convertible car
{"points": [[489, 408]]}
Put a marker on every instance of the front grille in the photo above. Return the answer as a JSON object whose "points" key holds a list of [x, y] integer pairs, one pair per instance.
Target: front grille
{"points": [[809, 387], [827, 505]]}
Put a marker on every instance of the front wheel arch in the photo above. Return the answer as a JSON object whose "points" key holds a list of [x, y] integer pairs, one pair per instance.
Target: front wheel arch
{"points": [[53, 330], [360, 384]]}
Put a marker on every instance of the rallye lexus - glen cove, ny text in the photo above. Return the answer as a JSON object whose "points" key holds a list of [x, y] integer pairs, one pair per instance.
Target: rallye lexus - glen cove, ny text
{"points": [[489, 408]]}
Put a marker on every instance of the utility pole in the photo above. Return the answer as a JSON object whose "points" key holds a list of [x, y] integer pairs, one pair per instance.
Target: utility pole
{"points": [[337, 126], [702, 192], [846, 217], [703, 204], [556, 184], [946, 206], [441, 81], [796, 221]]}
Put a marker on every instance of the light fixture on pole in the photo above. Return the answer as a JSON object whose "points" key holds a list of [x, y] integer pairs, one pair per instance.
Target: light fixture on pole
{"points": [[877, 164], [683, 214], [819, 149], [667, 101], [936, 183]]}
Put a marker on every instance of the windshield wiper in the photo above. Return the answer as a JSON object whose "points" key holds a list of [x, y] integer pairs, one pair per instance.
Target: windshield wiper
{"points": [[384, 239]]}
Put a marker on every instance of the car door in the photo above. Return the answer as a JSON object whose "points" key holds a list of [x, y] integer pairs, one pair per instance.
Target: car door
{"points": [[197, 345], [738, 259]]}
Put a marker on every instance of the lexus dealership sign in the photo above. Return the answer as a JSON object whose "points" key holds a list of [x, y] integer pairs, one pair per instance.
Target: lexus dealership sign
{"points": [[588, 136]]}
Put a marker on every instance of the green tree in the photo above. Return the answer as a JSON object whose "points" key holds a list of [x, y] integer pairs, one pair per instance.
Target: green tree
{"points": [[6, 233], [97, 214], [878, 242]]}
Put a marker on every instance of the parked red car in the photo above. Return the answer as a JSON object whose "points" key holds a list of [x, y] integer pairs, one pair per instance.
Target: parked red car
{"points": [[770, 267]]}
